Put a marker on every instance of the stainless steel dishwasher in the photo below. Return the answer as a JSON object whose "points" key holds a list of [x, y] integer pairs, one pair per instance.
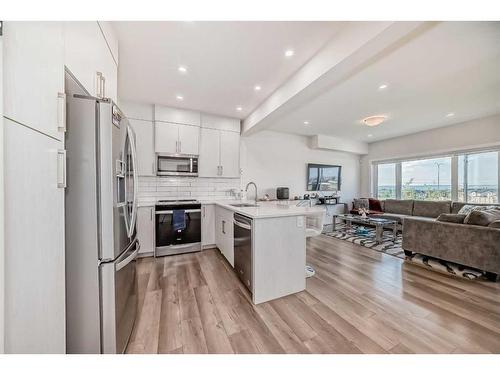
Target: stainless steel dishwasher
{"points": [[243, 249]]}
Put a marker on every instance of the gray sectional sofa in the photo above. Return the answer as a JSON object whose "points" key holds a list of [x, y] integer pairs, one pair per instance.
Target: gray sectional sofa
{"points": [[474, 246]]}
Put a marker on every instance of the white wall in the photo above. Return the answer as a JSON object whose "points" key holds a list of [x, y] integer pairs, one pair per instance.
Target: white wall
{"points": [[470, 135], [273, 159]]}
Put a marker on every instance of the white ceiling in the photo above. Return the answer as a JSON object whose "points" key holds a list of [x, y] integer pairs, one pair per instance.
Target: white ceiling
{"points": [[225, 60], [450, 67]]}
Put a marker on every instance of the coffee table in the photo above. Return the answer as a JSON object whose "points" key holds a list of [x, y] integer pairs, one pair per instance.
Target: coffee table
{"points": [[378, 223]]}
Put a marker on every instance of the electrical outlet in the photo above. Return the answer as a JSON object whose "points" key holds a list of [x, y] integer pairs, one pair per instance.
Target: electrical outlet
{"points": [[300, 221]]}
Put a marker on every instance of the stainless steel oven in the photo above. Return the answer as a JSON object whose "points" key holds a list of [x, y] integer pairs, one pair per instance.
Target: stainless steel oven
{"points": [[178, 227], [177, 165]]}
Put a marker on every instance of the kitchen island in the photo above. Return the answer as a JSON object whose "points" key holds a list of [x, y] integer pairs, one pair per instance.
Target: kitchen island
{"points": [[276, 241]]}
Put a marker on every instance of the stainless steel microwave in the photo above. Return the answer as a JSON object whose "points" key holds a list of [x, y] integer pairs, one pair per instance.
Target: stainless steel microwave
{"points": [[177, 165]]}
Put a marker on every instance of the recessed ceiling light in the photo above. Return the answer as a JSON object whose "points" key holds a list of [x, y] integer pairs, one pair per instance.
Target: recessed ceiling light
{"points": [[383, 86], [289, 53], [306, 122], [182, 69], [239, 108], [451, 114], [374, 120], [179, 97], [370, 135], [257, 88]]}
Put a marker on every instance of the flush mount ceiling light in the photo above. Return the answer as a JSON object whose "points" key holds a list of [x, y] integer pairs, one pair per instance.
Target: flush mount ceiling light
{"points": [[239, 108], [257, 88], [179, 97], [182, 69], [374, 120], [289, 53]]}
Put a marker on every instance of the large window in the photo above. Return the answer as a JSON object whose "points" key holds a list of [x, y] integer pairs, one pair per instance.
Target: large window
{"points": [[478, 177], [466, 177], [428, 179], [386, 186]]}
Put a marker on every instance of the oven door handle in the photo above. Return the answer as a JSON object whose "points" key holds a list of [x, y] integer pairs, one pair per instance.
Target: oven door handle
{"points": [[171, 211]]}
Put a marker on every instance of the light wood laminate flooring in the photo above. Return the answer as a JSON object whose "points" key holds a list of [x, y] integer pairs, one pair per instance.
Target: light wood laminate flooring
{"points": [[359, 301]]}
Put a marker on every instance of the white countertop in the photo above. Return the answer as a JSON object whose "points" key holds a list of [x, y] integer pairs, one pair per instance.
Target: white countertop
{"points": [[269, 209], [264, 209]]}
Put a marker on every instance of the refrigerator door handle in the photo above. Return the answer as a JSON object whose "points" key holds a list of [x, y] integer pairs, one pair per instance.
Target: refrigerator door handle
{"points": [[128, 259], [134, 164]]}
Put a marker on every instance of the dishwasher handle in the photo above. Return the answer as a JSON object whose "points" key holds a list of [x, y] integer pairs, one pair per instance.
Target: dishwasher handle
{"points": [[244, 222]]}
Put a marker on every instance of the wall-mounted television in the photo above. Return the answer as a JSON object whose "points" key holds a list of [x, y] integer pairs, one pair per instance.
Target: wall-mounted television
{"points": [[322, 177]]}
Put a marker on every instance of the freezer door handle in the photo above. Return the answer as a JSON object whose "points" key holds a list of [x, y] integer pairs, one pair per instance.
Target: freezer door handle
{"points": [[128, 259]]}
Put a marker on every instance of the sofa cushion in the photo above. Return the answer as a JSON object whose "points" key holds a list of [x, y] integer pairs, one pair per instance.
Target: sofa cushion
{"points": [[482, 217], [494, 224], [452, 218], [360, 203], [375, 205], [398, 206], [431, 208]]}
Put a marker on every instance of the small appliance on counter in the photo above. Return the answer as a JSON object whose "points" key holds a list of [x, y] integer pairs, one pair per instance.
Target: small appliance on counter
{"points": [[283, 193]]}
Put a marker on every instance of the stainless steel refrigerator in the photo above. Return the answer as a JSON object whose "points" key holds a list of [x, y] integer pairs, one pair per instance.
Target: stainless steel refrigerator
{"points": [[101, 212]]}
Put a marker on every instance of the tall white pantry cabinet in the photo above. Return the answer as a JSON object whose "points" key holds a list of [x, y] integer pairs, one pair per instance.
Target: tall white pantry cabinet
{"points": [[34, 58]]}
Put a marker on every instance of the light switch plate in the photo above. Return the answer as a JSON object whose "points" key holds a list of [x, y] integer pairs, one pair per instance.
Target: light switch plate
{"points": [[300, 221]]}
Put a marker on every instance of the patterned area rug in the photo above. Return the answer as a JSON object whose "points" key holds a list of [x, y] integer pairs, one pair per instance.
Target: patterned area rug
{"points": [[365, 236]]}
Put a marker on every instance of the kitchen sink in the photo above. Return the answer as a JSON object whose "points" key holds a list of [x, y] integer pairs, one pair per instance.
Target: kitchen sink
{"points": [[244, 205]]}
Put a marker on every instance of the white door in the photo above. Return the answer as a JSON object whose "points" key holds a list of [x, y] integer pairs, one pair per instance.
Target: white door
{"points": [[207, 224], [230, 154], [189, 137], [209, 160], [34, 74], [145, 229], [166, 137], [145, 147], [34, 242]]}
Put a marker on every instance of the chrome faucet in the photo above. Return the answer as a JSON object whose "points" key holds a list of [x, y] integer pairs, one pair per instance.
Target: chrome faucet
{"points": [[246, 189]]}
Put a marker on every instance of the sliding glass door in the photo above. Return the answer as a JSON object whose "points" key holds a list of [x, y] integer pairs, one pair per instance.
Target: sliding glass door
{"points": [[478, 177]]}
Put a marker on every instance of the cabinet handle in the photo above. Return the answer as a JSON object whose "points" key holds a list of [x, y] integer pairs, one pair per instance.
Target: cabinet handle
{"points": [[180, 146], [151, 210], [203, 211], [99, 84], [221, 170], [153, 168], [61, 112], [223, 227], [103, 81], [61, 169]]}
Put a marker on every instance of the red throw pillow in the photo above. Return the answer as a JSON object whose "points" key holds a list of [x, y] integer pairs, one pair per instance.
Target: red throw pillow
{"points": [[374, 205]]}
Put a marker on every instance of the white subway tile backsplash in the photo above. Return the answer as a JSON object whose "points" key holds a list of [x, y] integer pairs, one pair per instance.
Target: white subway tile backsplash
{"points": [[155, 188]]}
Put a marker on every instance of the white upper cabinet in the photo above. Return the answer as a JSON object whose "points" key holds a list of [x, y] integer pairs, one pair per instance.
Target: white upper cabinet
{"points": [[230, 154], [34, 75], [86, 54], [177, 116], [145, 147], [189, 137], [221, 123], [166, 137], [173, 138], [219, 153], [209, 161]]}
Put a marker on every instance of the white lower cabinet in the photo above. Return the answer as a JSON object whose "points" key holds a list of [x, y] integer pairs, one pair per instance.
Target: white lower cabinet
{"points": [[207, 225], [145, 147], [146, 229], [35, 307], [224, 233]]}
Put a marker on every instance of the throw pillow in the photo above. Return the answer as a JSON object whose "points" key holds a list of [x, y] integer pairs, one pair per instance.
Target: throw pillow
{"points": [[495, 224], [361, 203], [452, 218], [468, 208], [374, 205], [482, 217]]}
